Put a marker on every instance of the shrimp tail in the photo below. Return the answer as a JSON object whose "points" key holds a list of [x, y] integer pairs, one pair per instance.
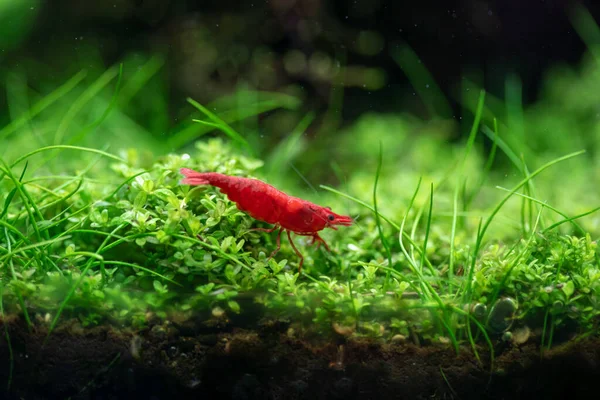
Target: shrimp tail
{"points": [[250, 195], [192, 177]]}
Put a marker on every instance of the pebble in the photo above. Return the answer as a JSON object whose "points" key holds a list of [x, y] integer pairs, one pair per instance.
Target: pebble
{"points": [[342, 329], [502, 315], [398, 338], [521, 335], [218, 312], [158, 332], [136, 346], [172, 351], [479, 310]]}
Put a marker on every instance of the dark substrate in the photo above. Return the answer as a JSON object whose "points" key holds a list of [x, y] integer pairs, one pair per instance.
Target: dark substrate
{"points": [[222, 362]]}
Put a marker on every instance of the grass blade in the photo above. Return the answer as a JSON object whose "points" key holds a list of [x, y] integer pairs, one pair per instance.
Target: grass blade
{"points": [[382, 237], [74, 287], [543, 204], [105, 114], [86, 96], [383, 217], [7, 202], [68, 147], [44, 103], [520, 184], [220, 124], [422, 81], [191, 132], [586, 27], [287, 150], [470, 143], [427, 230]]}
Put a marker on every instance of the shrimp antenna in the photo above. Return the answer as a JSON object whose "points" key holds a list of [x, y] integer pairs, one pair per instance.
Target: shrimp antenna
{"points": [[337, 170], [303, 177]]}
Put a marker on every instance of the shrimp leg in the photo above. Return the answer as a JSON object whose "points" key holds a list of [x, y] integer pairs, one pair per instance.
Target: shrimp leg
{"points": [[316, 238], [278, 245], [297, 252], [319, 240]]}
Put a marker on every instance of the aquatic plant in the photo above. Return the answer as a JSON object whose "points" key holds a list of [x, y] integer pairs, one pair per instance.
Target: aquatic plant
{"points": [[128, 244], [452, 244]]}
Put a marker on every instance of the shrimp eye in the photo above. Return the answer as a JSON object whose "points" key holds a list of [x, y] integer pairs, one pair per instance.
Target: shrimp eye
{"points": [[331, 217]]}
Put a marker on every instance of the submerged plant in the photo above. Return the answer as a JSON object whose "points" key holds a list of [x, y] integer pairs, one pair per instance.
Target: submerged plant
{"points": [[439, 251], [129, 240]]}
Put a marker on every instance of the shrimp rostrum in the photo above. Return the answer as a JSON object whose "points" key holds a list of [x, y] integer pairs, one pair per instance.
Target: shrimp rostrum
{"points": [[268, 204]]}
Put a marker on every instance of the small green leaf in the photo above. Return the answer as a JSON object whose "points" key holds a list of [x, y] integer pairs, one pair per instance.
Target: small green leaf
{"points": [[568, 288], [104, 216], [123, 204], [69, 250], [210, 222], [160, 288], [194, 225], [226, 243], [403, 286], [275, 266], [147, 186], [205, 289], [234, 306], [220, 210], [167, 196], [9, 198], [140, 200], [239, 246], [162, 236], [231, 272]]}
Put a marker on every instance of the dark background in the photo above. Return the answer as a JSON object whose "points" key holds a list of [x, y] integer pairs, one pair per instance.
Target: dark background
{"points": [[494, 37]]}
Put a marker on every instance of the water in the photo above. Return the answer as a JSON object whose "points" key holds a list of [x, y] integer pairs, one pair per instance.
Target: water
{"points": [[398, 211]]}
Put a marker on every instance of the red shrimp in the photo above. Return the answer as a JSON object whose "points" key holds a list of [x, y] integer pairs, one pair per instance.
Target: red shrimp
{"points": [[268, 204]]}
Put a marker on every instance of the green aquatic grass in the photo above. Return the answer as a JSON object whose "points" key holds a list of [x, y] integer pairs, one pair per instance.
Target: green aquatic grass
{"points": [[421, 79], [230, 112], [463, 181], [107, 234], [41, 105], [586, 28], [382, 237], [218, 123], [281, 157], [96, 123], [196, 239]]}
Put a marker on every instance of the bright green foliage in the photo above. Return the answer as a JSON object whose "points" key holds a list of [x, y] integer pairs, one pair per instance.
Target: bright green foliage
{"points": [[129, 240], [113, 237]]}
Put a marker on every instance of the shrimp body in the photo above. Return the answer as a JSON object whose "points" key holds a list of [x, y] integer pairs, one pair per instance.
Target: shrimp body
{"points": [[266, 203]]}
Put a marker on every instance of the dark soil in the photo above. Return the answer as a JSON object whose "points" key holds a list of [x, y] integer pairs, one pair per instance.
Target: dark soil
{"points": [[180, 362]]}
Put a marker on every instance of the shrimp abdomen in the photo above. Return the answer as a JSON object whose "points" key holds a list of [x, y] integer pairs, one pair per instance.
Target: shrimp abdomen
{"points": [[259, 199]]}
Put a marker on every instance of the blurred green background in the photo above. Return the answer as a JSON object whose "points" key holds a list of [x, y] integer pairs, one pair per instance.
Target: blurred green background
{"points": [[310, 85]]}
